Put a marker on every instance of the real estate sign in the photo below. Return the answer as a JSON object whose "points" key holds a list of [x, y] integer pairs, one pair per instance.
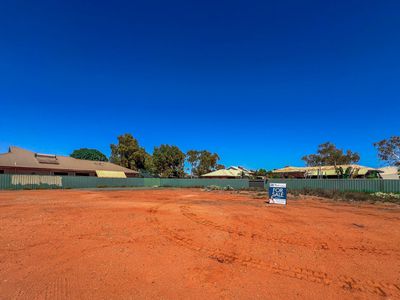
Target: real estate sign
{"points": [[277, 193]]}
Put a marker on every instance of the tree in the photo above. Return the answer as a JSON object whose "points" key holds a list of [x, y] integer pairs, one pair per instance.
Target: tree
{"points": [[128, 153], [220, 167], [88, 154], [389, 150], [148, 170], [149, 165], [260, 172], [271, 174], [169, 161], [328, 155], [341, 173], [202, 162], [193, 158]]}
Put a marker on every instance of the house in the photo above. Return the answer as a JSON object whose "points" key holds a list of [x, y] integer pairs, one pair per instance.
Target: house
{"points": [[229, 173], [390, 172], [355, 171], [21, 161]]}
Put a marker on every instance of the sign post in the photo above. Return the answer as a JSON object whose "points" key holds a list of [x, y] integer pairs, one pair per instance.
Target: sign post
{"points": [[277, 193]]}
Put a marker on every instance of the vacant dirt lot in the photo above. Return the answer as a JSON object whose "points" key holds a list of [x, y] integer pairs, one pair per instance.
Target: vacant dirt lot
{"points": [[190, 244]]}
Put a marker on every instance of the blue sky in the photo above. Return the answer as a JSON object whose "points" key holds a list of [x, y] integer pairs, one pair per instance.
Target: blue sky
{"points": [[260, 82]]}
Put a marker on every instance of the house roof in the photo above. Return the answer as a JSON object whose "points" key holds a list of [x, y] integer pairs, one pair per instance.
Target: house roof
{"points": [[325, 170], [390, 172], [229, 172], [18, 157], [222, 173], [289, 169]]}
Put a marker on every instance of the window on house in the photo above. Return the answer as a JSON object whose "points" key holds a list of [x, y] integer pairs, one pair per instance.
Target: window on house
{"points": [[61, 173], [82, 174]]}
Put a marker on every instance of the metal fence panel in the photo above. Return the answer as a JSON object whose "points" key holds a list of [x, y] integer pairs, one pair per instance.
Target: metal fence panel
{"points": [[8, 181], [391, 186], [19, 182], [152, 182], [35, 182], [71, 182], [257, 184], [358, 185], [80, 182], [5, 182], [196, 182]]}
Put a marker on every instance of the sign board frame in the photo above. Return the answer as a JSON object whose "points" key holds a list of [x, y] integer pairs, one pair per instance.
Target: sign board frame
{"points": [[277, 193]]}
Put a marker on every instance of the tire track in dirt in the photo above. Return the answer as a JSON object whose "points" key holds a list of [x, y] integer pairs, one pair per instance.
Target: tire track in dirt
{"points": [[22, 294], [61, 287], [345, 282], [58, 289], [188, 213], [30, 246]]}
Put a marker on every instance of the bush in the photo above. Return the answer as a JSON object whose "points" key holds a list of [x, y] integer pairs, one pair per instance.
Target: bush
{"points": [[387, 195], [213, 188], [349, 195], [295, 192], [218, 188]]}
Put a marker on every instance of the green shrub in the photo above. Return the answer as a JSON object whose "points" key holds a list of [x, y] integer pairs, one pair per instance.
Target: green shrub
{"points": [[213, 188], [349, 195], [386, 195]]}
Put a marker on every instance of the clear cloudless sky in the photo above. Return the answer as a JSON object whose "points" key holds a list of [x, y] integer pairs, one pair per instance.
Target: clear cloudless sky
{"points": [[259, 82]]}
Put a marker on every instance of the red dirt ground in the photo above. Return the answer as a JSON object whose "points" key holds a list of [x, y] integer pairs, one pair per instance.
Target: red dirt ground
{"points": [[190, 244]]}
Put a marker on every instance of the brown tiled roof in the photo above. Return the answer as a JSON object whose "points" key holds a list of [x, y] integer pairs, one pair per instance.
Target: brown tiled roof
{"points": [[18, 157]]}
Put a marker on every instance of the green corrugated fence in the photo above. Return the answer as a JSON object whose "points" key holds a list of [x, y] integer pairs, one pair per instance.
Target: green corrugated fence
{"points": [[5, 182], [391, 186], [196, 182], [15, 182], [81, 182], [18, 182], [357, 185], [151, 182]]}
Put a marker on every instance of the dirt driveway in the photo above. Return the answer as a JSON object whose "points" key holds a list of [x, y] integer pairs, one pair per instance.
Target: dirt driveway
{"points": [[190, 244]]}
